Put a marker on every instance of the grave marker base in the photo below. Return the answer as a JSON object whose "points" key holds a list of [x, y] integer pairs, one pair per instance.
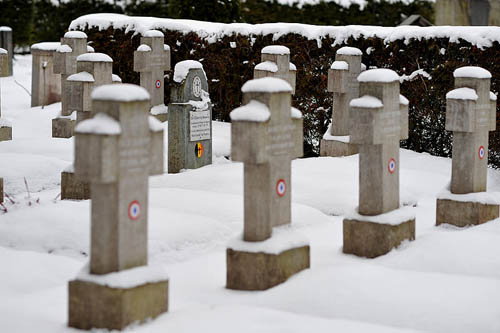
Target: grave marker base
{"points": [[261, 271], [371, 239], [93, 305], [62, 128], [73, 189], [336, 148], [5, 133], [464, 213]]}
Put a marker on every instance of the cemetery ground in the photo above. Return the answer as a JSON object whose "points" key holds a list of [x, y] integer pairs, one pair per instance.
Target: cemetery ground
{"points": [[447, 280]]}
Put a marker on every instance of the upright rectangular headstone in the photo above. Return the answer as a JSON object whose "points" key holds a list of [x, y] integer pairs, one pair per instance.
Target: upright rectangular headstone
{"points": [[5, 127], [375, 124], [471, 115], [152, 59], [190, 119], [73, 44], [6, 43], [266, 135], [342, 81], [113, 150], [276, 63], [45, 84]]}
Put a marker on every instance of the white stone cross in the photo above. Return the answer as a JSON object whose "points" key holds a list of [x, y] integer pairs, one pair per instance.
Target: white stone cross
{"points": [[276, 63]]}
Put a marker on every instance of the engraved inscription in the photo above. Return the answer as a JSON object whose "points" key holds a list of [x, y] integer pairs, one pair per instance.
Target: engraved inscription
{"points": [[281, 139], [134, 153], [199, 125]]}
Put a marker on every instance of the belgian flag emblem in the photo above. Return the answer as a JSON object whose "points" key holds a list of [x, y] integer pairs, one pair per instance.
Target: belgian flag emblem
{"points": [[198, 150]]}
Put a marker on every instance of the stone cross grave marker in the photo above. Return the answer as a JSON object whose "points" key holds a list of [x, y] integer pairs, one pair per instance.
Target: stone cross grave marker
{"points": [[117, 150], [6, 42], [266, 135], [73, 44], [377, 124], [343, 82], [471, 115], [93, 70], [190, 118], [152, 59], [45, 84], [276, 63], [5, 127]]}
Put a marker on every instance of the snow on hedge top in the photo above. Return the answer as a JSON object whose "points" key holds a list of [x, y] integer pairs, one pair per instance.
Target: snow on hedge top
{"points": [[144, 48], [366, 101], [182, 68], [5, 28], [276, 49], [267, 66], [378, 75], [120, 93], [153, 33], [3, 51], [46, 46], [347, 50], [75, 34], [252, 111], [343, 3], [266, 85], [340, 65], [100, 124], [462, 93], [472, 72], [94, 57], [211, 31]]}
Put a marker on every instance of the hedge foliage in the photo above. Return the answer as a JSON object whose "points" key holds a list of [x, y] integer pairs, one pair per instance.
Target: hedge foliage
{"points": [[228, 68]]}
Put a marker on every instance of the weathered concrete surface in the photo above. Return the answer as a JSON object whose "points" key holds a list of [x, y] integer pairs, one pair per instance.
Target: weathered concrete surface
{"points": [[96, 306], [6, 42], [63, 127], [1, 190], [261, 271], [72, 188], [369, 239], [45, 84], [337, 148], [464, 213], [5, 133], [467, 12]]}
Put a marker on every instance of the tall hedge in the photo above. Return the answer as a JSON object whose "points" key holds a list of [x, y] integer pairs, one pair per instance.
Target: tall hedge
{"points": [[228, 68]]}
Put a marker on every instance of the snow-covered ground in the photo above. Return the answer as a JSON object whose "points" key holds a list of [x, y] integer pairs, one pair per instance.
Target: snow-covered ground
{"points": [[447, 280]]}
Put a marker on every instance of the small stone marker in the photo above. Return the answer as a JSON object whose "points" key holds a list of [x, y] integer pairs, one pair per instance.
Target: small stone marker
{"points": [[377, 125], [343, 82], [266, 135], [117, 150], [5, 127], [1, 190], [152, 59], [470, 114], [6, 43], [73, 44], [93, 70], [190, 119], [45, 84], [276, 63]]}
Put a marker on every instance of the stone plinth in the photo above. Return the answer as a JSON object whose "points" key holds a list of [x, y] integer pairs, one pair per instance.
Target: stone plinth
{"points": [[62, 127], [72, 188], [189, 119], [261, 271], [365, 238], [45, 84], [6, 43], [464, 213]]}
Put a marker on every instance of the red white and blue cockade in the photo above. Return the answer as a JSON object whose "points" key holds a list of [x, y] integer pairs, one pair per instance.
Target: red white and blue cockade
{"points": [[281, 187], [158, 84], [134, 210], [481, 152], [391, 166]]}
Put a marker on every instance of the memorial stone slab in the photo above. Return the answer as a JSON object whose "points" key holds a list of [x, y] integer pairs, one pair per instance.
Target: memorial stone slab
{"points": [[471, 115], [5, 126], [376, 126], [45, 84], [6, 43], [276, 63], [190, 119], [117, 149], [342, 81], [266, 134], [152, 59], [73, 44]]}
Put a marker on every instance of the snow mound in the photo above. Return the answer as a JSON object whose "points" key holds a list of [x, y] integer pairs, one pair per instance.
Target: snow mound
{"points": [[94, 57], [485, 198], [252, 111], [153, 33], [5, 28], [120, 93], [266, 84], [340, 65], [46, 46], [366, 101], [100, 124], [472, 72], [283, 239], [267, 66], [75, 34], [462, 93], [182, 69], [347, 50], [378, 75], [276, 49], [295, 113], [144, 48], [155, 125], [81, 77]]}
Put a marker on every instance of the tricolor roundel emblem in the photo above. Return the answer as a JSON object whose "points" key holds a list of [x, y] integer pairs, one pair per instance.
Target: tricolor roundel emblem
{"points": [[281, 187], [158, 84], [134, 210], [481, 152], [198, 150], [391, 166]]}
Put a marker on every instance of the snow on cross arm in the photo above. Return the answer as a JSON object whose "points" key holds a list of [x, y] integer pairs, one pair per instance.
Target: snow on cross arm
{"points": [[252, 111], [462, 93], [100, 124]]}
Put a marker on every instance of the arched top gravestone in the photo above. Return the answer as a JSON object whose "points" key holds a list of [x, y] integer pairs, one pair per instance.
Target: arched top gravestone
{"points": [[190, 82]]}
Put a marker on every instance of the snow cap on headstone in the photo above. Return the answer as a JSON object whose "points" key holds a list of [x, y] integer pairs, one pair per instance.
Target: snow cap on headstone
{"points": [[75, 34], [347, 50], [266, 85], [378, 75], [94, 57], [3, 51], [120, 93], [472, 72], [182, 68], [276, 49], [153, 33]]}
